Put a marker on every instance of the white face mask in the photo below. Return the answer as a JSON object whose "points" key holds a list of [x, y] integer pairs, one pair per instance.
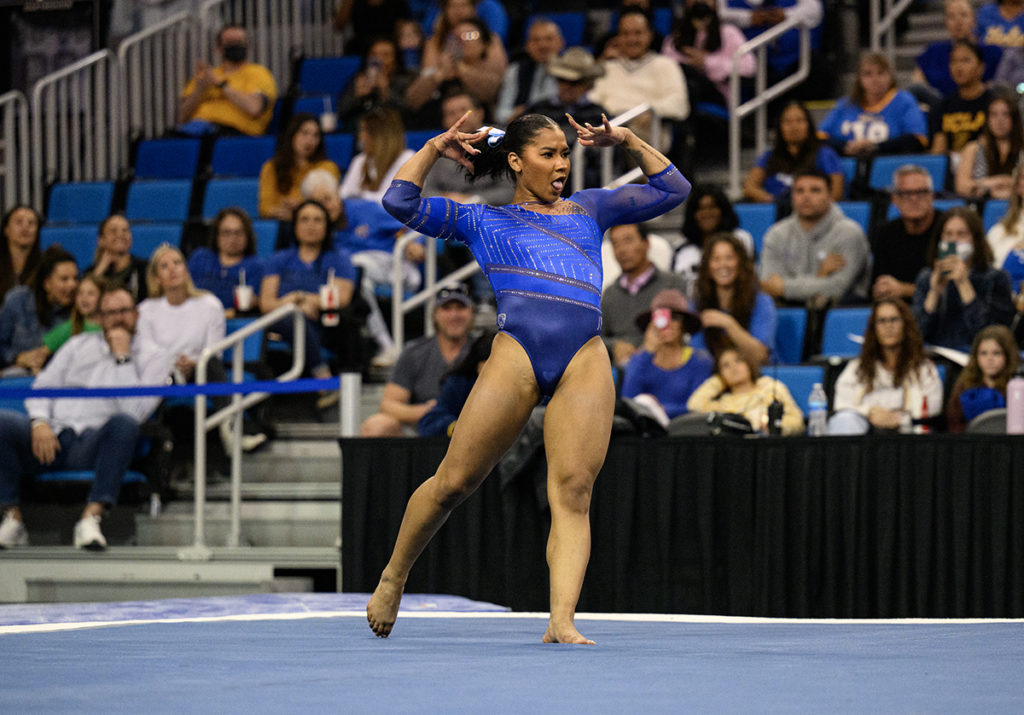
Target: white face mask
{"points": [[964, 251]]}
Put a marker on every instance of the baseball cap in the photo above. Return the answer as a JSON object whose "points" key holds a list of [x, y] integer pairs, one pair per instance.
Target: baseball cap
{"points": [[457, 292]]}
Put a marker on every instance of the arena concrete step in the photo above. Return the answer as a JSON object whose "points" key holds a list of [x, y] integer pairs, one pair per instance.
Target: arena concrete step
{"points": [[277, 524], [52, 574]]}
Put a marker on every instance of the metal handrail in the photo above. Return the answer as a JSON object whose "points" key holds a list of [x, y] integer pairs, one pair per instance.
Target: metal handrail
{"points": [[884, 25], [155, 65], [199, 550], [82, 128], [14, 133], [762, 93]]}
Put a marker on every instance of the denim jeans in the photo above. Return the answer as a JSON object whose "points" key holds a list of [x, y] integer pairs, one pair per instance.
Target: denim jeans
{"points": [[107, 450]]}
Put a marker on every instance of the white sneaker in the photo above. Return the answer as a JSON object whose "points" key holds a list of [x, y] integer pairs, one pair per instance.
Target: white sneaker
{"points": [[249, 441], [88, 534], [12, 532], [385, 358]]}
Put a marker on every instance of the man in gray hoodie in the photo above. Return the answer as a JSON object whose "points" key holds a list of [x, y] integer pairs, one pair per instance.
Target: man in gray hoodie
{"points": [[817, 252]]}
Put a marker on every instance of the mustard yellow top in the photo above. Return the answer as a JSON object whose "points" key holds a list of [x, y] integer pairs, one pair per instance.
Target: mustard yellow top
{"points": [[753, 405], [271, 198], [215, 107]]}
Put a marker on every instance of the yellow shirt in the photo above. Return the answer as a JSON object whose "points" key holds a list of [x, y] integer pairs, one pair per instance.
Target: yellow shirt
{"points": [[215, 107], [271, 198], [753, 405]]}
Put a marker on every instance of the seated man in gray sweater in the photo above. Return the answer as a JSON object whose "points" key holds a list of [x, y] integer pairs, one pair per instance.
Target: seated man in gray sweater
{"points": [[817, 254], [633, 291]]}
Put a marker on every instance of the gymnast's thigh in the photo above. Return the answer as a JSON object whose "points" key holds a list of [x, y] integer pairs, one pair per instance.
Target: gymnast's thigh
{"points": [[578, 419], [497, 408]]}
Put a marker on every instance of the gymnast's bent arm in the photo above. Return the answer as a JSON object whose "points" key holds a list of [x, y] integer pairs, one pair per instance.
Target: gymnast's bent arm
{"points": [[402, 199], [633, 203]]}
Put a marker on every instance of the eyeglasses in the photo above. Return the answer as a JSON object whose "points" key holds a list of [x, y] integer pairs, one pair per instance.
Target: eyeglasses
{"points": [[912, 193], [114, 312], [469, 36]]}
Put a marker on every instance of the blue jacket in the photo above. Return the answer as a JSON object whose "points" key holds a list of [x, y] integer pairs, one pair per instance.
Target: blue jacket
{"points": [[20, 329]]}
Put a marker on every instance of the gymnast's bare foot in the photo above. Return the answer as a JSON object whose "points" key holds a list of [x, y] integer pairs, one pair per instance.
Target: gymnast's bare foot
{"points": [[564, 634], [382, 610]]}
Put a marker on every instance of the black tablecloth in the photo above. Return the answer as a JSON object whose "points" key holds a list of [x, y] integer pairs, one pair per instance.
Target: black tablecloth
{"points": [[877, 526]]}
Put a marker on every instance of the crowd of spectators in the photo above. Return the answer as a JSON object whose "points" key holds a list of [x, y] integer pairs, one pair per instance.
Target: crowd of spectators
{"points": [[688, 330]]}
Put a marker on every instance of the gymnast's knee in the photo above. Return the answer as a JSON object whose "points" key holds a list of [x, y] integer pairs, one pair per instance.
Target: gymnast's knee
{"points": [[450, 490], [572, 492]]}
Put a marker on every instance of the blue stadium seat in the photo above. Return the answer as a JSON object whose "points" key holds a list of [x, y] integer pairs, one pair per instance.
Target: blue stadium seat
{"points": [[840, 323], [848, 164], [417, 138], [790, 326], [252, 347], [757, 219], [221, 193], [572, 25], [147, 237], [327, 75], [64, 475], [663, 20], [167, 159], [158, 200], [78, 240], [80, 202], [882, 169], [315, 105], [994, 210], [859, 211], [266, 236], [241, 156], [340, 148], [940, 206], [799, 379]]}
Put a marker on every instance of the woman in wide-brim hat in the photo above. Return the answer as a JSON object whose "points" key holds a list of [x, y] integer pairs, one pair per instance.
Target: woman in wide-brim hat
{"points": [[667, 370]]}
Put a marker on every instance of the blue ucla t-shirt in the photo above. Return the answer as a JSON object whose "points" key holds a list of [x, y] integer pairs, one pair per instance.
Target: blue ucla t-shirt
{"points": [[891, 118], [296, 274]]}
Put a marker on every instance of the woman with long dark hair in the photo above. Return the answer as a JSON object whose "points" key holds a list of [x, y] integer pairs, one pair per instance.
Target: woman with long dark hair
{"points": [[981, 385], [380, 82], [733, 308], [19, 250], [707, 212], [542, 256], [891, 383], [32, 309], [299, 151], [797, 148], [987, 163]]}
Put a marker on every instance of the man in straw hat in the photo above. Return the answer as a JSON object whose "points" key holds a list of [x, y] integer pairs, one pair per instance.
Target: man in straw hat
{"points": [[575, 72]]}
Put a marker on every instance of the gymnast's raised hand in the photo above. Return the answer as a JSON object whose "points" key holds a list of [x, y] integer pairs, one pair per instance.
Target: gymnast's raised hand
{"points": [[604, 135], [455, 144]]}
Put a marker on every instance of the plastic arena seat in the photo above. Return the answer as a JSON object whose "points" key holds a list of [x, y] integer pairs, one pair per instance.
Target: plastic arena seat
{"points": [[167, 159], [840, 323], [799, 379], [882, 169], [327, 75], [158, 200], [80, 202], [147, 237], [221, 193], [790, 327], [340, 148], [78, 240], [859, 211], [241, 156], [756, 219]]}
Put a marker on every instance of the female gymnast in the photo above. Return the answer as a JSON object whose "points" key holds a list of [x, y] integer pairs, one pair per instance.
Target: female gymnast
{"points": [[542, 255]]}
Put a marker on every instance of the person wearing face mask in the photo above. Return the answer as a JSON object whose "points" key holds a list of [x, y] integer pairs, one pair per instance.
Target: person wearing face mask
{"points": [[961, 292], [235, 97]]}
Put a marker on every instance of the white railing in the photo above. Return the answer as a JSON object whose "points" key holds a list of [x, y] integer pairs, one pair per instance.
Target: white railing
{"points": [[349, 409], [277, 31], [77, 128], [607, 158], [883, 25], [155, 65], [762, 93], [15, 187]]}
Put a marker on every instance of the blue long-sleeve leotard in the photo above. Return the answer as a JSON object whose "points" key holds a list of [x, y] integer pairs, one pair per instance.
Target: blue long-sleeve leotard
{"points": [[545, 269]]}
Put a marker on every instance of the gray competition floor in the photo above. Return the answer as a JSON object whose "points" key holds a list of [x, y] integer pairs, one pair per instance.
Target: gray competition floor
{"points": [[314, 652]]}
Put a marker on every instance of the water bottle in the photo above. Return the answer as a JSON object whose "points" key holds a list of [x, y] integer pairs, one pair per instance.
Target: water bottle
{"points": [[817, 405], [1015, 406]]}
